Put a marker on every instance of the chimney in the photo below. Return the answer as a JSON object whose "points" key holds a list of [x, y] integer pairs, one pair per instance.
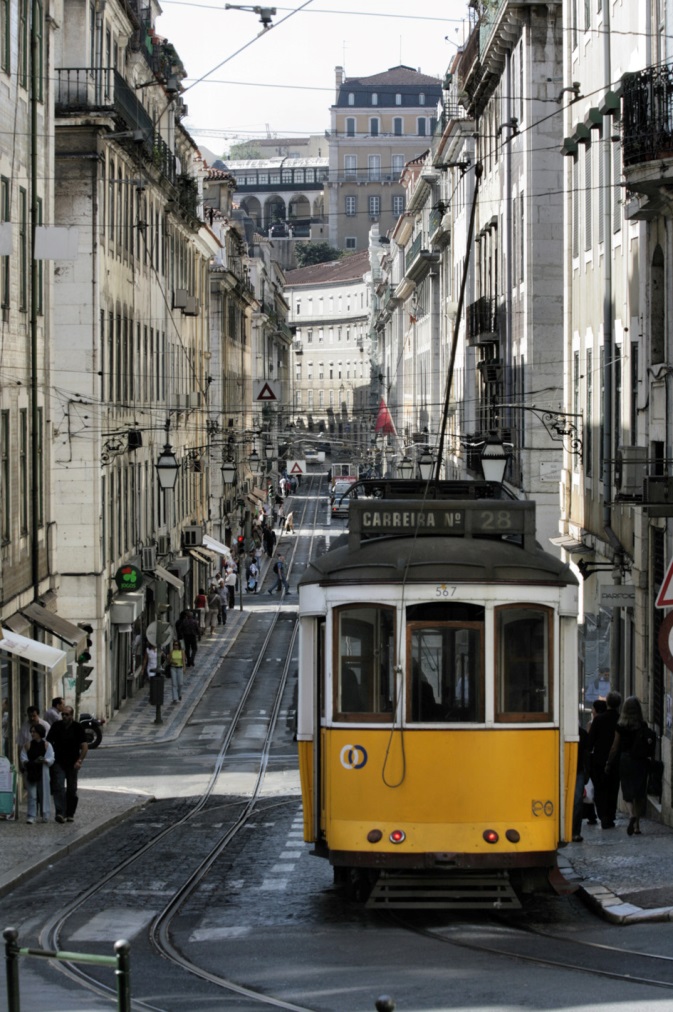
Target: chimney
{"points": [[339, 71]]}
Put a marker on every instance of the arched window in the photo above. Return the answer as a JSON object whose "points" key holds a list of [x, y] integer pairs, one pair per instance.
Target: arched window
{"points": [[421, 99], [398, 99]]}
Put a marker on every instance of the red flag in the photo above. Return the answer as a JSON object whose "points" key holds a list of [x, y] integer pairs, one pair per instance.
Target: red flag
{"points": [[384, 422]]}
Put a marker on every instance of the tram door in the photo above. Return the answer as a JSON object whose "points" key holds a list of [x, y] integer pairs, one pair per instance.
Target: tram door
{"points": [[445, 658]]}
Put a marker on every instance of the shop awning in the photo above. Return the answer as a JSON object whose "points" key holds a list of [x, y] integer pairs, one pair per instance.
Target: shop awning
{"points": [[260, 494], [163, 574], [205, 558], [216, 546], [39, 654], [571, 545], [54, 624]]}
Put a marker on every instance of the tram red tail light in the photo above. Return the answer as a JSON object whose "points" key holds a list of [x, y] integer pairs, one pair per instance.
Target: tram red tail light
{"points": [[490, 836], [397, 836]]}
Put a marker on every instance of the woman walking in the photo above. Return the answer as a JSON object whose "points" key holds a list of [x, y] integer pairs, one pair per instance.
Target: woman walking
{"points": [[178, 663], [632, 748]]}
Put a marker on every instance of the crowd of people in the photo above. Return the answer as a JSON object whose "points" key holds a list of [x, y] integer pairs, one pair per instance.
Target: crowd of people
{"points": [[616, 750]]}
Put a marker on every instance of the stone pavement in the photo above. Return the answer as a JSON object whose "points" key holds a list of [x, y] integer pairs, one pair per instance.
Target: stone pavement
{"points": [[627, 879]]}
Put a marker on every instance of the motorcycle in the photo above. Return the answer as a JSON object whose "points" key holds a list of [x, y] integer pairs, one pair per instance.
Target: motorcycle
{"points": [[93, 728]]}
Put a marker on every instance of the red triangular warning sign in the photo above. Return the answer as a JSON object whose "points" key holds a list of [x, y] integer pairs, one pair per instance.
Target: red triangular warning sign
{"points": [[266, 394], [384, 421], [665, 595], [296, 468]]}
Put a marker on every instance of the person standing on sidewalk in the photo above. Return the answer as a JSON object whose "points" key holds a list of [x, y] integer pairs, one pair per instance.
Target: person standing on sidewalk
{"points": [[190, 637], [36, 760], [230, 583], [178, 663], [68, 740], [601, 737], [214, 605], [54, 712]]}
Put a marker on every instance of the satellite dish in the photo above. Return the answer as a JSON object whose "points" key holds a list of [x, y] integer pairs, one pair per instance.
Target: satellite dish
{"points": [[159, 634]]}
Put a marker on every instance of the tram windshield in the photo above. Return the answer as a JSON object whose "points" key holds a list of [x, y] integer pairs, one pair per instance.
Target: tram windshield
{"points": [[365, 660], [446, 665], [523, 665]]}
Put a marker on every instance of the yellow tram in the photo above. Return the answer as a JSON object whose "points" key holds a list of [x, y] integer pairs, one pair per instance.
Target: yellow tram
{"points": [[437, 703]]}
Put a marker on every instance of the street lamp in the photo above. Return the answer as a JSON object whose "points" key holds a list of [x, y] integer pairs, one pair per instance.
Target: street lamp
{"points": [[254, 462], [167, 469], [228, 470], [405, 467], [426, 465], [268, 451], [493, 459]]}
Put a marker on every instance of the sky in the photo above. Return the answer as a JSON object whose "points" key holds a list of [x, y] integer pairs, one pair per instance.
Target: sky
{"points": [[245, 82]]}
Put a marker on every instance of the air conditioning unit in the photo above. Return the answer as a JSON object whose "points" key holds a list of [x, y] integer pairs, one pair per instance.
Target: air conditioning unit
{"points": [[194, 399], [192, 536], [192, 306], [631, 471], [164, 544], [658, 490], [180, 296], [148, 559]]}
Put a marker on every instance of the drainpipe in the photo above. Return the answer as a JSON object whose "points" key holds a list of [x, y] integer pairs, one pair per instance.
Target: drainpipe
{"points": [[508, 279]]}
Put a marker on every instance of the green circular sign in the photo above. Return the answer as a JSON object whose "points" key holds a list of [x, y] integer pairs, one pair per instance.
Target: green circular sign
{"points": [[129, 577]]}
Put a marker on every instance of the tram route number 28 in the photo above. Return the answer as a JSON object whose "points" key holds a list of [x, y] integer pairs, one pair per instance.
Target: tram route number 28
{"points": [[541, 808]]}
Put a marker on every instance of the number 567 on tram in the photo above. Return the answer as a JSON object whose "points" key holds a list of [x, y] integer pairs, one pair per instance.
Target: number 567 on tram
{"points": [[437, 703]]}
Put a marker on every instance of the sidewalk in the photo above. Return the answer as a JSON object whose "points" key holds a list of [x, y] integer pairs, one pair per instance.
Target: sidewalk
{"points": [[132, 724]]}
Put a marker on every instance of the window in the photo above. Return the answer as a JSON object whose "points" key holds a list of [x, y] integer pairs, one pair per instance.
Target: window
{"points": [[4, 35], [589, 424], [523, 663], [287, 175], [309, 400], [4, 261], [397, 165], [310, 175], [23, 43], [23, 249], [375, 98], [299, 175], [351, 206], [297, 308], [398, 99], [350, 166], [445, 677], [421, 122], [398, 205], [350, 126], [274, 178], [588, 203], [364, 662], [309, 337], [374, 127], [331, 370], [5, 486], [263, 178], [309, 370], [23, 470], [374, 167], [321, 370], [351, 98], [421, 99], [374, 207], [251, 180], [321, 398], [397, 126], [350, 242], [39, 303]]}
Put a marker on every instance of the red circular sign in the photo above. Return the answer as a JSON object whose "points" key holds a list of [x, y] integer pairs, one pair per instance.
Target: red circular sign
{"points": [[664, 641]]}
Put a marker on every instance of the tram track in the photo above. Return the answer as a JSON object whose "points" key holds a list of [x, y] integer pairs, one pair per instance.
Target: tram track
{"points": [[237, 815]]}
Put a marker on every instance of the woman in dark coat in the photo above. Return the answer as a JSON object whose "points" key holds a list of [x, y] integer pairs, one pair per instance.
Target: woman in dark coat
{"points": [[632, 748]]}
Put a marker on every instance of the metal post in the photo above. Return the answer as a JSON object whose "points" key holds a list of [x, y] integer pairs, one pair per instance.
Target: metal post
{"points": [[123, 975], [12, 969]]}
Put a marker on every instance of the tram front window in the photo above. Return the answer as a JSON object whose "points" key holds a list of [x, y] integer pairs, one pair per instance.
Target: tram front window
{"points": [[446, 673], [364, 660], [523, 666]]}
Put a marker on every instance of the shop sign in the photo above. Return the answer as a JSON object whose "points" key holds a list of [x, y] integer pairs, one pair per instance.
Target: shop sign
{"points": [[129, 577]]}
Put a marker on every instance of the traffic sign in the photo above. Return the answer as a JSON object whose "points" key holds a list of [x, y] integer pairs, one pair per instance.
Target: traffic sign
{"points": [[664, 641], [264, 391], [296, 467], [665, 595]]}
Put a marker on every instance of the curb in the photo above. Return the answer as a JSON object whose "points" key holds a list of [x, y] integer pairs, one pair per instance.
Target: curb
{"points": [[607, 904]]}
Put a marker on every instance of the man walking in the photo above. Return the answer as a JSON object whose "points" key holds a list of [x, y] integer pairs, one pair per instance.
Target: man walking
{"points": [[54, 712], [281, 579], [70, 746]]}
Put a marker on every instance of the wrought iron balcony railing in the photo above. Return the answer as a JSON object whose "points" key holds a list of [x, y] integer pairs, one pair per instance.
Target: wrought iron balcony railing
{"points": [[482, 319], [647, 121]]}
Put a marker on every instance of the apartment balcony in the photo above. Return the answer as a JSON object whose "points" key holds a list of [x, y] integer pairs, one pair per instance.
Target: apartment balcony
{"points": [[647, 141], [482, 321], [418, 260]]}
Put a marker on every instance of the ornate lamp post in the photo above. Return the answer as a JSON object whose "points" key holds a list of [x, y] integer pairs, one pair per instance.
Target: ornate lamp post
{"points": [[494, 459]]}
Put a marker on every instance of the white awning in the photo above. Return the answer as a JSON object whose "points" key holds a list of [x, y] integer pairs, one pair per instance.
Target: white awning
{"points": [[163, 574], [53, 623], [40, 654], [216, 546]]}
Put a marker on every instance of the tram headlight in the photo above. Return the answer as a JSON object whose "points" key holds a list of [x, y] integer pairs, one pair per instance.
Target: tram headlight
{"points": [[490, 836], [397, 836]]}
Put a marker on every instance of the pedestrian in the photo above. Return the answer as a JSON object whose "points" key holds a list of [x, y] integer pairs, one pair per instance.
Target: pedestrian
{"points": [[70, 746], [36, 760], [223, 591], [23, 738], [190, 635], [269, 541], [151, 664], [631, 751], [601, 738], [582, 777], [230, 583], [201, 606], [281, 579], [253, 576], [213, 614], [178, 663], [54, 712], [289, 523], [5, 726], [281, 517]]}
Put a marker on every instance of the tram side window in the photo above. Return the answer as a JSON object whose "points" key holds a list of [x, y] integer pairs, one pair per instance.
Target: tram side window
{"points": [[365, 660], [523, 663]]}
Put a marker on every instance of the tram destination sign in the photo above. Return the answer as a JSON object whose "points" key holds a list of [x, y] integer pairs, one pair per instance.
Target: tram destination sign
{"points": [[438, 518]]}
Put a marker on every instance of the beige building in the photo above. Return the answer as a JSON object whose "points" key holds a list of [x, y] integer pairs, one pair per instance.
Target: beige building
{"points": [[378, 124]]}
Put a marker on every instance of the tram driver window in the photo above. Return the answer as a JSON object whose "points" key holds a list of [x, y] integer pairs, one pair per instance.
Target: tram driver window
{"points": [[364, 682], [446, 673], [523, 665]]}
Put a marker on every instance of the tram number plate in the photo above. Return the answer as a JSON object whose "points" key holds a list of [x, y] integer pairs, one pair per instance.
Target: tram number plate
{"points": [[444, 590], [541, 808]]}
